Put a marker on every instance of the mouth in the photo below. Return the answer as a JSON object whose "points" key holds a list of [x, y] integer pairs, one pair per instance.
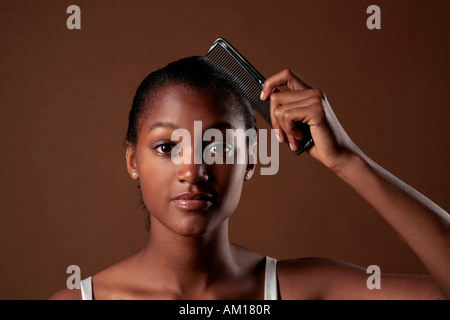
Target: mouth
{"points": [[193, 201]]}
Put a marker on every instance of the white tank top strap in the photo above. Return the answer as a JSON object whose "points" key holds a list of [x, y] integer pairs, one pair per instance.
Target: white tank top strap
{"points": [[271, 283], [86, 289]]}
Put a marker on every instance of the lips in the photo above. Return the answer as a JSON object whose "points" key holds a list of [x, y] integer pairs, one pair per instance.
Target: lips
{"points": [[193, 201]]}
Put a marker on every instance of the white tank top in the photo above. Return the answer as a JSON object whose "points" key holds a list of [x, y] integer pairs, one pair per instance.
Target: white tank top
{"points": [[270, 282]]}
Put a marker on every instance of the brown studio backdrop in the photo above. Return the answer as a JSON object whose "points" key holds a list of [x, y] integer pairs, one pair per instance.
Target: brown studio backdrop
{"points": [[66, 197]]}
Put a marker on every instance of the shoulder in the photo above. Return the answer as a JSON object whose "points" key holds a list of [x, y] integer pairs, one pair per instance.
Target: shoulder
{"points": [[249, 262], [315, 267], [111, 282], [310, 278], [66, 294], [322, 278]]}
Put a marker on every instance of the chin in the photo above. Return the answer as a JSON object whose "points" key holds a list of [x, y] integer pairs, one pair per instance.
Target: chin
{"points": [[195, 225]]}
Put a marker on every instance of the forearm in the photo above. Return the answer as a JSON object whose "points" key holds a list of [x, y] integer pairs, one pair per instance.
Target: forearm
{"points": [[423, 225]]}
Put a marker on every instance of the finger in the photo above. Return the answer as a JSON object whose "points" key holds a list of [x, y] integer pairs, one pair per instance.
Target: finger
{"points": [[285, 77], [292, 132], [274, 105], [288, 100], [301, 98], [294, 143], [275, 125], [288, 117]]}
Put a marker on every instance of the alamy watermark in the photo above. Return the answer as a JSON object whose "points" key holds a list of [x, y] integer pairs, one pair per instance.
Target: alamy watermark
{"points": [[374, 20], [237, 147], [73, 22], [73, 281], [373, 281]]}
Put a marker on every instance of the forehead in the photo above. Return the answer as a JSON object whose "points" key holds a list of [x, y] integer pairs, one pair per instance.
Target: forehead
{"points": [[183, 105]]}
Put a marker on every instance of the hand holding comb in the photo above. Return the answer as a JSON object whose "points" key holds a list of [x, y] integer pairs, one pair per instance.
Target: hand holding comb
{"points": [[227, 59]]}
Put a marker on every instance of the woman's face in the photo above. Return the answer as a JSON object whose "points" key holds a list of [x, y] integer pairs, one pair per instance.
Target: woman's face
{"points": [[188, 199]]}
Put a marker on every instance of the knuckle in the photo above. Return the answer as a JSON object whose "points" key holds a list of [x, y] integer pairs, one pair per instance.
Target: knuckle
{"points": [[288, 71], [278, 113], [267, 83], [273, 98], [318, 92], [287, 114], [316, 100]]}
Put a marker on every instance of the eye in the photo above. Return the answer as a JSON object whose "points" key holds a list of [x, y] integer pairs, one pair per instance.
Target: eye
{"points": [[164, 148], [219, 148]]}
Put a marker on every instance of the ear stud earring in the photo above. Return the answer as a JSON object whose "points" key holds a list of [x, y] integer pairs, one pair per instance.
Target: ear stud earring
{"points": [[134, 174]]}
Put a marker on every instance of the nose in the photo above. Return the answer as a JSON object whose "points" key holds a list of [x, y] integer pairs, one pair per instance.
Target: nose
{"points": [[191, 172]]}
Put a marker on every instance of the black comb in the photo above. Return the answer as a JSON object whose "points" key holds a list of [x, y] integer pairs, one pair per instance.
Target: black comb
{"points": [[250, 82]]}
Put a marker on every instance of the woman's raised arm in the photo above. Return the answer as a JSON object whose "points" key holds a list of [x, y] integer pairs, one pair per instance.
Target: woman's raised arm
{"points": [[423, 225]]}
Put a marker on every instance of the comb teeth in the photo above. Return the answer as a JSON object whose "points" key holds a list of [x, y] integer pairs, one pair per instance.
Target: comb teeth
{"points": [[249, 85], [250, 82]]}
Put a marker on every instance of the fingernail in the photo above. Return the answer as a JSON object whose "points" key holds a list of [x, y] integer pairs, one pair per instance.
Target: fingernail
{"points": [[278, 137], [262, 95], [291, 146]]}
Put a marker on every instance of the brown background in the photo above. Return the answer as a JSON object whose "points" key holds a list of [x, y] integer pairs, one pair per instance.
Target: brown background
{"points": [[66, 197]]}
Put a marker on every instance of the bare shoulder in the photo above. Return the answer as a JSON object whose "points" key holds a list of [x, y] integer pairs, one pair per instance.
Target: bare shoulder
{"points": [[111, 282], [304, 278], [66, 294], [321, 278]]}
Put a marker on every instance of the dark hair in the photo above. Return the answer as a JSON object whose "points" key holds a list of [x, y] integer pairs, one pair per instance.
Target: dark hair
{"points": [[194, 72]]}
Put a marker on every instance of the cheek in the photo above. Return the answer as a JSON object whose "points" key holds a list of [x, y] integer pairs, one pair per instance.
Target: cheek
{"points": [[155, 179], [149, 191], [230, 185]]}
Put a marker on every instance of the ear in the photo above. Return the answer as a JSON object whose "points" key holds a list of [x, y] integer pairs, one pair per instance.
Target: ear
{"points": [[130, 157], [249, 172], [251, 165]]}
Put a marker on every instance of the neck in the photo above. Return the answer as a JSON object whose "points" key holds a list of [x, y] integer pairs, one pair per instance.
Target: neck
{"points": [[183, 264]]}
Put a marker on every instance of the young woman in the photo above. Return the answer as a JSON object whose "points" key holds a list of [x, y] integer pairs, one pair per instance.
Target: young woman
{"points": [[188, 254]]}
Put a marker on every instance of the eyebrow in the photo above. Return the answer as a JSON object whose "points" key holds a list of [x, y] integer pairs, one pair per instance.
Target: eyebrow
{"points": [[222, 126], [171, 125], [163, 124]]}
